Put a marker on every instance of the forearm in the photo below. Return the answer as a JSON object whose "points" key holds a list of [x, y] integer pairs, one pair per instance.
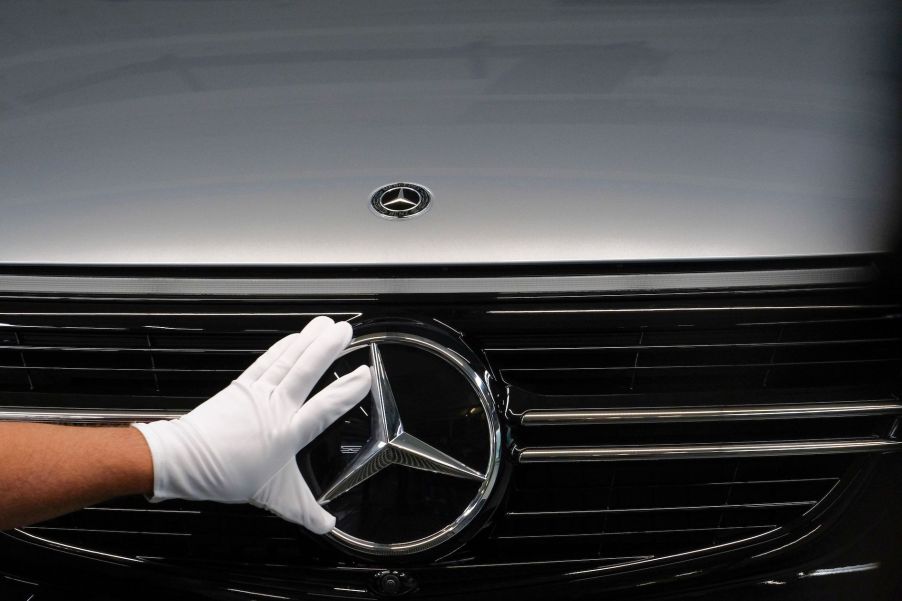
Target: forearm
{"points": [[48, 470]]}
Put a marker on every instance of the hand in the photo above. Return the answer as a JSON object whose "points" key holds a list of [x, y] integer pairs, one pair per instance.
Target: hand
{"points": [[240, 445]]}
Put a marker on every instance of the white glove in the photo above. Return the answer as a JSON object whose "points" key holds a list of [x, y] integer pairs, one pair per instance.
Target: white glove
{"points": [[240, 445]]}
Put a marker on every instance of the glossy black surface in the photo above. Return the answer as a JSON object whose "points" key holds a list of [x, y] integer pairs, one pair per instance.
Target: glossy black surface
{"points": [[559, 529], [857, 556]]}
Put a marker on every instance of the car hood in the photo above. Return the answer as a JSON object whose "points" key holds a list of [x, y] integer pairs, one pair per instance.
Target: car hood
{"points": [[547, 132]]}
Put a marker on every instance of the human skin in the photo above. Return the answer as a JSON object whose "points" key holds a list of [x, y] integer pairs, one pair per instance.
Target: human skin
{"points": [[48, 470]]}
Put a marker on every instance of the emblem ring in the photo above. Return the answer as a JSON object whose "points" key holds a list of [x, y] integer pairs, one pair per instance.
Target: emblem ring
{"points": [[400, 200], [493, 431]]}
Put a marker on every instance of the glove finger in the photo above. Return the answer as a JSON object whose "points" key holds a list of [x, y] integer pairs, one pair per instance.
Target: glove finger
{"points": [[276, 370], [311, 365], [328, 405], [288, 496], [256, 369]]}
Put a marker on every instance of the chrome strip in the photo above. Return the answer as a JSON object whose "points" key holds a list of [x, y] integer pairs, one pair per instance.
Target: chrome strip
{"points": [[643, 347], [428, 285], [516, 514], [628, 532], [534, 417], [705, 451], [729, 308], [84, 416], [102, 531]]}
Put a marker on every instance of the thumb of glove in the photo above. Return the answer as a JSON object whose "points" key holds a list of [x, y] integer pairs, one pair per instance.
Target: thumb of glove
{"points": [[287, 495]]}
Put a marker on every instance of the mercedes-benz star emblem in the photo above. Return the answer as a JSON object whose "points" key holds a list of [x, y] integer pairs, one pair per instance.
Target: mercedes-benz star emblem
{"points": [[390, 444], [404, 485], [401, 200]]}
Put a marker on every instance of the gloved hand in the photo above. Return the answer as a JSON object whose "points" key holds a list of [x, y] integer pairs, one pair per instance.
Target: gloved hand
{"points": [[240, 445]]}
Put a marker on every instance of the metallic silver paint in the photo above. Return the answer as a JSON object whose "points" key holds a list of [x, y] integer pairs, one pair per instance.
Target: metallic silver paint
{"points": [[184, 134]]}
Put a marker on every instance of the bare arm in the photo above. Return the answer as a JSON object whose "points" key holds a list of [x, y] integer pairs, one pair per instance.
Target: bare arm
{"points": [[50, 470]]}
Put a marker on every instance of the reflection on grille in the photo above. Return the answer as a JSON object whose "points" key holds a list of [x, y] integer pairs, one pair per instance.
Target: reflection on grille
{"points": [[180, 531], [642, 425], [618, 510], [654, 427]]}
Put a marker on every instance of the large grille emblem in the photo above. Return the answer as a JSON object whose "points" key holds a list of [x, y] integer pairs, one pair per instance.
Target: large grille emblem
{"points": [[428, 480], [390, 444]]}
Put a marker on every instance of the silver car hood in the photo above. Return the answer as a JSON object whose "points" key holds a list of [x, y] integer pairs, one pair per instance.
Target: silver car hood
{"points": [[548, 132]]}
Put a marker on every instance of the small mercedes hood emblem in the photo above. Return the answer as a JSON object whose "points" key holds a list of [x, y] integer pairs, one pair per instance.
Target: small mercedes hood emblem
{"points": [[401, 200]]}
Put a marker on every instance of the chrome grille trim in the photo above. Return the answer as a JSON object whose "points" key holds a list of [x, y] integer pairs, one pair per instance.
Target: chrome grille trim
{"points": [[85, 416], [426, 285], [660, 509], [654, 347], [705, 451], [763, 527], [537, 417]]}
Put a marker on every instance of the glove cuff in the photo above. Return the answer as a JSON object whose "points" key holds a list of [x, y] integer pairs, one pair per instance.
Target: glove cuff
{"points": [[164, 438]]}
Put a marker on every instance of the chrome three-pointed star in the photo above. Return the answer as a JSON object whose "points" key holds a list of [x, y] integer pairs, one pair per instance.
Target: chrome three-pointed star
{"points": [[390, 444]]}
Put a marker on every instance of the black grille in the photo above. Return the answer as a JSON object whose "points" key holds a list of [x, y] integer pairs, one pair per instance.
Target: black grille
{"points": [[181, 531], [775, 348], [618, 510]]}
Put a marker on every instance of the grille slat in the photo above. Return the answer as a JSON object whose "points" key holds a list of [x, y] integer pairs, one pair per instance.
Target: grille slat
{"points": [[630, 415], [143, 350], [713, 530], [656, 453], [659, 509], [698, 366]]}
